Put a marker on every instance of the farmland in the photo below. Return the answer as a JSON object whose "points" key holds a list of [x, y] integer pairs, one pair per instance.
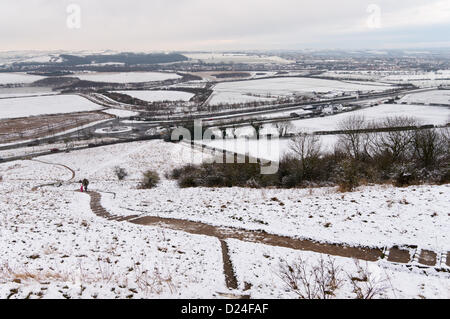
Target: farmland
{"points": [[129, 77], [18, 78], [273, 88], [155, 96], [31, 128], [44, 105]]}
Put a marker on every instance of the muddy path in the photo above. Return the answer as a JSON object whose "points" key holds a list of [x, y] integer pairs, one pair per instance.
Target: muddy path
{"points": [[260, 237], [410, 256]]}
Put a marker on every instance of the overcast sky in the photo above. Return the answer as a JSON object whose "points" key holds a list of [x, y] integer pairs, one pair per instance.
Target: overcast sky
{"points": [[147, 25]]}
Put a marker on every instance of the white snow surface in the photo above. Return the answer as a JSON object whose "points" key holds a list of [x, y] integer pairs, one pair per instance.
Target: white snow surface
{"points": [[286, 86], [126, 77], [236, 58], [435, 115], [260, 266], [18, 78], [270, 89], [45, 105], [376, 216], [53, 246], [120, 113], [430, 97], [156, 96]]}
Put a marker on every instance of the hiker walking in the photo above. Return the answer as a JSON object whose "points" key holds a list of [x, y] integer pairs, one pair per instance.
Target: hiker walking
{"points": [[85, 184]]}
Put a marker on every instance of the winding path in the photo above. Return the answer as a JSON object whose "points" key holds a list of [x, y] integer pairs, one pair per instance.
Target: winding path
{"points": [[54, 164], [410, 256]]}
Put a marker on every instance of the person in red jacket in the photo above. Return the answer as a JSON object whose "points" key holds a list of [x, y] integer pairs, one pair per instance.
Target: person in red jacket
{"points": [[85, 184]]}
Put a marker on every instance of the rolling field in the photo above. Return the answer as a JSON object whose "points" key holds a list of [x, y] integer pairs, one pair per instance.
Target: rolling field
{"points": [[244, 91], [16, 78], [45, 105], [127, 77], [156, 96]]}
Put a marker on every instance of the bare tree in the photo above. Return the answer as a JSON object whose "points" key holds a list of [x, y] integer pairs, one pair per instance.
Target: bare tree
{"points": [[307, 147], [396, 142], [283, 128], [353, 140], [427, 147]]}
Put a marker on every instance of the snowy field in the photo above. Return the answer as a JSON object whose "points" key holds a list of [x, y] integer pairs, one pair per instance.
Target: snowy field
{"points": [[236, 58], [431, 97], [126, 77], [6, 93], [18, 78], [120, 113], [242, 91], [421, 79], [10, 57], [424, 114], [44, 105], [235, 98], [376, 213], [157, 96], [391, 76], [418, 76], [53, 246], [19, 95], [258, 267]]}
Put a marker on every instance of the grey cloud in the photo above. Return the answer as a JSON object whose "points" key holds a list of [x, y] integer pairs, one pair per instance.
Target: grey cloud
{"points": [[185, 24]]}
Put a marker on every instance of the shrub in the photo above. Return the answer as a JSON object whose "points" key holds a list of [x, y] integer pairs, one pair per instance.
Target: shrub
{"points": [[187, 181], [289, 181], [324, 279], [121, 173], [214, 181], [348, 176], [178, 172], [150, 179], [317, 281], [444, 178], [365, 284]]}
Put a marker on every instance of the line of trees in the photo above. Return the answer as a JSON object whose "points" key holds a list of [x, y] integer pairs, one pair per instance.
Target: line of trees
{"points": [[399, 157]]}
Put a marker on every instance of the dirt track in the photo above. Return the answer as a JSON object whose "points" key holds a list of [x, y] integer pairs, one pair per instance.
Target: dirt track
{"points": [[410, 255]]}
